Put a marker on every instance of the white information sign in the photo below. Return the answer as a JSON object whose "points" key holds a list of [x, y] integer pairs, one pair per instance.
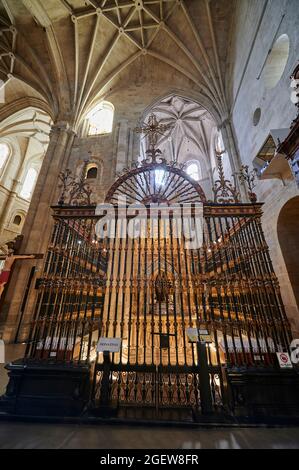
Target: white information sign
{"points": [[192, 334], [203, 332], [109, 345]]}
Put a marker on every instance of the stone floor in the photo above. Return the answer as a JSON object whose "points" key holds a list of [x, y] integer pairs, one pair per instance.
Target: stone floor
{"points": [[55, 436]]}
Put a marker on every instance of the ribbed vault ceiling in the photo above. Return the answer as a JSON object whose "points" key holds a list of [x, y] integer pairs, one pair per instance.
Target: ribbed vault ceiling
{"points": [[29, 122], [190, 131], [70, 53]]}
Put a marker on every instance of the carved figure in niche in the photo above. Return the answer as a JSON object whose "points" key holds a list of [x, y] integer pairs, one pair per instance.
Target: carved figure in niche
{"points": [[162, 287]]}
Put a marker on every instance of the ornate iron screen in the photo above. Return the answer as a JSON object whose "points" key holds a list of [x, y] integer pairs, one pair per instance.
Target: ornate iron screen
{"points": [[149, 290], [71, 292], [157, 289]]}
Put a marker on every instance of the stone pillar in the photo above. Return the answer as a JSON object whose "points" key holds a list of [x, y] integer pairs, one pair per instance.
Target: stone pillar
{"points": [[46, 188], [234, 157], [130, 149], [122, 145], [135, 146], [36, 232], [4, 220]]}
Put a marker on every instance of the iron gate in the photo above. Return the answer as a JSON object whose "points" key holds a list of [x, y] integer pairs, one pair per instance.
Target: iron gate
{"points": [[149, 290], [156, 387]]}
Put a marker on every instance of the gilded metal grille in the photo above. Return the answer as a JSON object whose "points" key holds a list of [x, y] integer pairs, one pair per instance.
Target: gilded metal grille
{"points": [[148, 291], [70, 293]]}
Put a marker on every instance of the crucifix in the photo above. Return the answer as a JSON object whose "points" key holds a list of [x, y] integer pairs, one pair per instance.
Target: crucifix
{"points": [[9, 261]]}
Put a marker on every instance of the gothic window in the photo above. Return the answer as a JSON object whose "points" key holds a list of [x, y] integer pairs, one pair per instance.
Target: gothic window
{"points": [[4, 154], [101, 119], [219, 145], [29, 183], [193, 170], [17, 220]]}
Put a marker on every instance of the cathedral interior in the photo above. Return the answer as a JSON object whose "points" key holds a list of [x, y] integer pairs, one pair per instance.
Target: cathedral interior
{"points": [[121, 106]]}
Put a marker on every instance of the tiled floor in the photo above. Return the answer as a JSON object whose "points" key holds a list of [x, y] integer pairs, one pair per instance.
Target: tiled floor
{"points": [[54, 436]]}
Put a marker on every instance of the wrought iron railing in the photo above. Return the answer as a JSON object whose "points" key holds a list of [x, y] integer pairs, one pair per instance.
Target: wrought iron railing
{"points": [[148, 292], [70, 292], [227, 286]]}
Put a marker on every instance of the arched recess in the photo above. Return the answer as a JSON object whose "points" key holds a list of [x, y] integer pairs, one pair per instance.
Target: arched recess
{"points": [[288, 236], [188, 95], [17, 218], [189, 138], [91, 172], [190, 126]]}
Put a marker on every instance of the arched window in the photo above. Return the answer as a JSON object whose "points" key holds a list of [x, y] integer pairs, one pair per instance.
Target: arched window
{"points": [[4, 154], [193, 170], [91, 172], [17, 220], [101, 119], [159, 177], [29, 183], [219, 143]]}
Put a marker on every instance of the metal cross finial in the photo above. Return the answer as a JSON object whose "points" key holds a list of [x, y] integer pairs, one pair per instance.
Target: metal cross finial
{"points": [[152, 129]]}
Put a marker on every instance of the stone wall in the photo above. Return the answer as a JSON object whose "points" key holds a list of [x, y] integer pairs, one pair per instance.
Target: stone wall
{"points": [[258, 24], [11, 204]]}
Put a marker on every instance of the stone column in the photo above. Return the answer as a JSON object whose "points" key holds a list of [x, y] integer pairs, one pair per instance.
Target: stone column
{"points": [[135, 146], [234, 157], [122, 145], [46, 188], [36, 231], [130, 149], [6, 213]]}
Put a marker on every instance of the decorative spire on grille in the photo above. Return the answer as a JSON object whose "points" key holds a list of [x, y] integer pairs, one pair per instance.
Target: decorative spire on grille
{"points": [[153, 129], [75, 191], [224, 190], [248, 178]]}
